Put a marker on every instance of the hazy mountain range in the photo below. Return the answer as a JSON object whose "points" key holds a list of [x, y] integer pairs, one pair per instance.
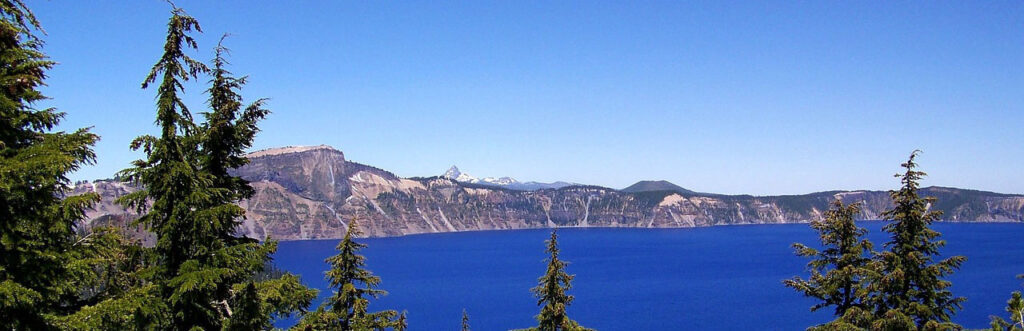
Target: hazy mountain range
{"points": [[312, 192], [503, 182]]}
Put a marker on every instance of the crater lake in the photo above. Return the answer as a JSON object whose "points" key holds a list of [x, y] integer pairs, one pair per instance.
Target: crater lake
{"points": [[711, 278]]}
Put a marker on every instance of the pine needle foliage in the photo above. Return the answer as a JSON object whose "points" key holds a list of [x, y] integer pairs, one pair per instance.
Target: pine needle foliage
{"points": [[204, 269], [37, 218], [552, 292], [909, 284], [402, 323], [354, 286], [1015, 309], [230, 126], [465, 321], [837, 270]]}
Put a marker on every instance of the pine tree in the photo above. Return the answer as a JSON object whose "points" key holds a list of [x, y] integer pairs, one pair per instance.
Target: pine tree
{"points": [[37, 218], [110, 275], [838, 270], [204, 267], [247, 314], [465, 321], [1015, 308], [179, 190], [229, 129], [354, 286], [552, 292], [908, 287]]}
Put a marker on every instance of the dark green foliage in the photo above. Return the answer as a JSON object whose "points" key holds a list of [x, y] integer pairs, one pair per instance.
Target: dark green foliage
{"points": [[402, 323], [248, 314], [204, 271], [229, 129], [112, 276], [907, 283], [805, 202], [37, 225], [552, 292], [1015, 309], [837, 271], [354, 286], [901, 288], [171, 176], [465, 321]]}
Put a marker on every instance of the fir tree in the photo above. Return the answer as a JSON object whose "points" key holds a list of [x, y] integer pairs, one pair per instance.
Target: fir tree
{"points": [[552, 292], [204, 267], [908, 287], [247, 314], [354, 286], [37, 218], [465, 321], [229, 129], [838, 270]]}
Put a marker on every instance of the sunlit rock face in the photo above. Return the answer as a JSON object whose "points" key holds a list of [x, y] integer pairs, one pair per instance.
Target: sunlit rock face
{"points": [[313, 192]]}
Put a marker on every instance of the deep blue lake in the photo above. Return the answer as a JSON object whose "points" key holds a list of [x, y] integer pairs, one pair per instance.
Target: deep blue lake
{"points": [[711, 278]]}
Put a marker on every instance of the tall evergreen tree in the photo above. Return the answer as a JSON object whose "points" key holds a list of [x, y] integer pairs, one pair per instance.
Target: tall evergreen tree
{"points": [[204, 266], [180, 191], [465, 321], [354, 286], [229, 128], [37, 218], [552, 292], [908, 284], [838, 270]]}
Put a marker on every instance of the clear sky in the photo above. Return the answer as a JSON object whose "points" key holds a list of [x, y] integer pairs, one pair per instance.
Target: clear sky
{"points": [[759, 97]]}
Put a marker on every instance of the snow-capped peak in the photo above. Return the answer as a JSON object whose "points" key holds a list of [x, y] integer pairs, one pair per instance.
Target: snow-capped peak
{"points": [[467, 178], [459, 176], [506, 182], [452, 173], [500, 181]]}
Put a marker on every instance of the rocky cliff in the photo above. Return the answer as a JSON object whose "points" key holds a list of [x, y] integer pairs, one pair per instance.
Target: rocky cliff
{"points": [[313, 192]]}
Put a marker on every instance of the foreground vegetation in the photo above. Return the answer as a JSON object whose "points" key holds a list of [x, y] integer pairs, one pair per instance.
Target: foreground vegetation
{"points": [[201, 275], [899, 288]]}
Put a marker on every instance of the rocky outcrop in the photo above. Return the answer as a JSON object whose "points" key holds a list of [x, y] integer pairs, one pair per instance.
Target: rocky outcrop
{"points": [[313, 192]]}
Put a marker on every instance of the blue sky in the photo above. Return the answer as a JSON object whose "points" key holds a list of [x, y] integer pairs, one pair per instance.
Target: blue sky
{"points": [[759, 97]]}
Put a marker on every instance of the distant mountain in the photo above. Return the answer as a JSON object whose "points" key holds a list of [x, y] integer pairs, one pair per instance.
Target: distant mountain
{"points": [[654, 186], [505, 182], [313, 192], [454, 173]]}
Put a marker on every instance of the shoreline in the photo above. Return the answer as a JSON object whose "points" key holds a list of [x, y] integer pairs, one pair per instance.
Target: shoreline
{"points": [[631, 227]]}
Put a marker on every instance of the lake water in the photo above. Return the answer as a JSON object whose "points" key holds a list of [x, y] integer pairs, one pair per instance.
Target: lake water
{"points": [[713, 278]]}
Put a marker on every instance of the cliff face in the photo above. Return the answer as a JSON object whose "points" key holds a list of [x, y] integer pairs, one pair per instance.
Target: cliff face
{"points": [[313, 192]]}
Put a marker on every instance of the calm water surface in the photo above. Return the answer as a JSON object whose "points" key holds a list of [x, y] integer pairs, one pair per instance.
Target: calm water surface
{"points": [[639, 279]]}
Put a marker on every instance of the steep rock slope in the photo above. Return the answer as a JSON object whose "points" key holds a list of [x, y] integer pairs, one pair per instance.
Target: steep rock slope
{"points": [[313, 192]]}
